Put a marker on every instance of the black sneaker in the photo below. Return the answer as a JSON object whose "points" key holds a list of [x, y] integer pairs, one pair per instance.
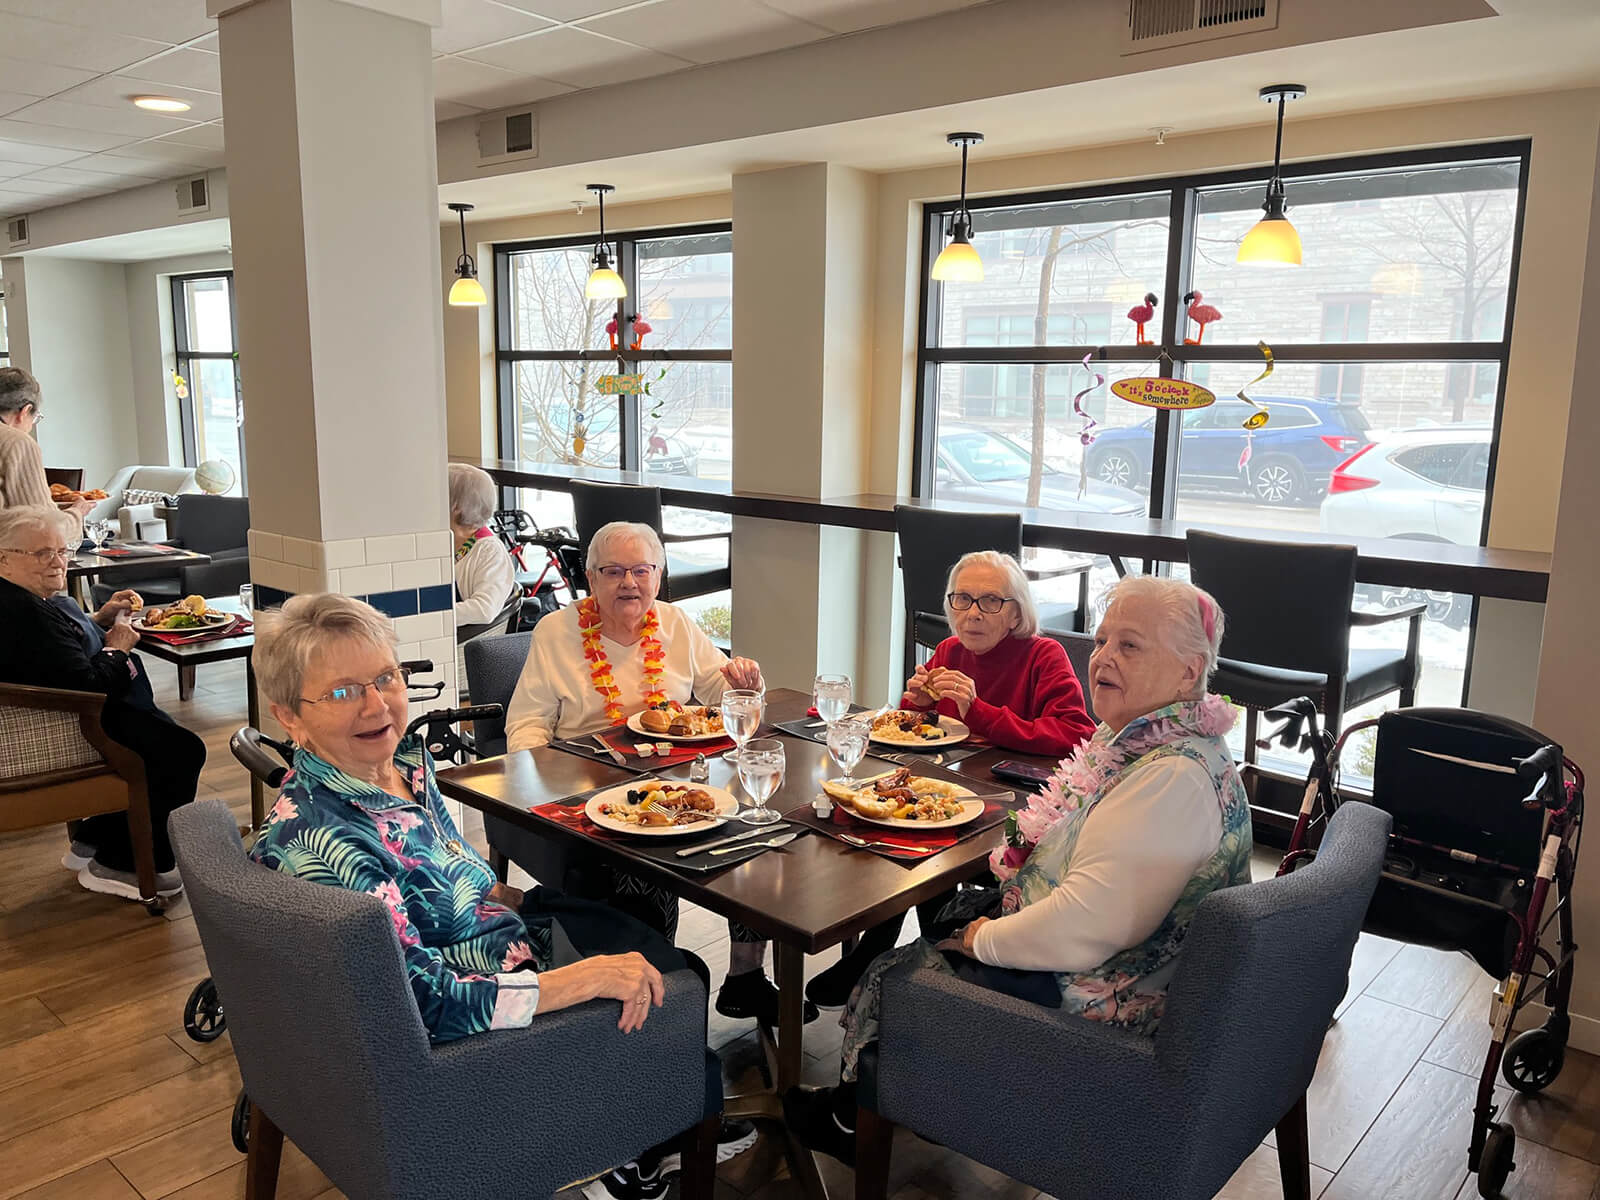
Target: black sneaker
{"points": [[628, 1182], [753, 995], [733, 1139], [830, 989], [808, 1112]]}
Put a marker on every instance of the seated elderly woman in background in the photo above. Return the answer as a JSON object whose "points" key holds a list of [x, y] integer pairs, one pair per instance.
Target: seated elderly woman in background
{"points": [[362, 811], [485, 574], [1137, 827], [1012, 687], [50, 642], [649, 649]]}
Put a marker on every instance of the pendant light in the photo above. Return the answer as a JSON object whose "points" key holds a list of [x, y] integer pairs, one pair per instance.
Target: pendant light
{"points": [[604, 283], [958, 260], [466, 291], [1274, 242]]}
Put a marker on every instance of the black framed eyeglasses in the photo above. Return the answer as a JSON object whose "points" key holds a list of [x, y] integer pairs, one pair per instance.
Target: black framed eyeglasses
{"points": [[989, 603], [354, 693]]}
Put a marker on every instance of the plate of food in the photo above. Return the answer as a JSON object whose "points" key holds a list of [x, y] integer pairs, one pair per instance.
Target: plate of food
{"points": [[909, 801], [66, 497], [910, 729], [678, 723], [189, 615], [659, 808]]}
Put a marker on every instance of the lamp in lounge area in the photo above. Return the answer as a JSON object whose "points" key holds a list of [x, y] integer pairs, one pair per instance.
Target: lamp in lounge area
{"points": [[604, 283], [1274, 242], [466, 291], [958, 260]]}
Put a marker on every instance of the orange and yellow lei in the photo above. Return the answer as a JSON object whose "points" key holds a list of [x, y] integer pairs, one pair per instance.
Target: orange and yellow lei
{"points": [[600, 667]]}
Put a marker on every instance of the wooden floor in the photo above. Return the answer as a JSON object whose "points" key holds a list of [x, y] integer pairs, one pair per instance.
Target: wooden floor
{"points": [[103, 1097]]}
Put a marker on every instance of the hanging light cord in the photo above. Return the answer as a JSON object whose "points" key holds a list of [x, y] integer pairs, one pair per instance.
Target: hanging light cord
{"points": [[465, 267], [1275, 186], [601, 258], [964, 218]]}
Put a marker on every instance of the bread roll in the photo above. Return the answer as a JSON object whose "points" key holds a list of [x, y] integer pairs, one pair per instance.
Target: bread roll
{"points": [[655, 720]]}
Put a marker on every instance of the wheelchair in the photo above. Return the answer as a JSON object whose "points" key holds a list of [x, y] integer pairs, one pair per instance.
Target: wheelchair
{"points": [[269, 760], [562, 566], [1488, 817]]}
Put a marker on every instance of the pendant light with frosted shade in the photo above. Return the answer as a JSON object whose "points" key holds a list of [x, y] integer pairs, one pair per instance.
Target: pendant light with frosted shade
{"points": [[604, 283], [466, 291], [958, 261], [1274, 242]]}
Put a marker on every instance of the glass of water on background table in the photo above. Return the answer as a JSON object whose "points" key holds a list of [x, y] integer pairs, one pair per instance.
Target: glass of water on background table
{"points": [[741, 717], [831, 695], [761, 766], [847, 743]]}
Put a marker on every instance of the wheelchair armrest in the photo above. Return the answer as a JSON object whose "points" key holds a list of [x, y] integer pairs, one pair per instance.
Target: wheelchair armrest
{"points": [[1404, 612]]}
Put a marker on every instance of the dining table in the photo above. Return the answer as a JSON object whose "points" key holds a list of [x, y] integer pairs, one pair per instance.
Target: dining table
{"points": [[807, 896]]}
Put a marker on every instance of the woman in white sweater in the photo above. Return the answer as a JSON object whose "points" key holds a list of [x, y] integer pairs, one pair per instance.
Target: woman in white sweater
{"points": [[485, 574], [1107, 866]]}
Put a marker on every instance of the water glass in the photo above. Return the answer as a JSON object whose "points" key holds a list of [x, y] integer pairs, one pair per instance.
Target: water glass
{"points": [[761, 767], [741, 716], [847, 743], [831, 694], [247, 598]]}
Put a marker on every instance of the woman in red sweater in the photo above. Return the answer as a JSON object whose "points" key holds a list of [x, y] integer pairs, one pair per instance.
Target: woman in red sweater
{"points": [[1012, 687]]}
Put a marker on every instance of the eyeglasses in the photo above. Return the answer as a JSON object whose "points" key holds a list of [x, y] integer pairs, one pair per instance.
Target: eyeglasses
{"points": [[641, 573], [961, 601], [354, 693], [42, 557]]}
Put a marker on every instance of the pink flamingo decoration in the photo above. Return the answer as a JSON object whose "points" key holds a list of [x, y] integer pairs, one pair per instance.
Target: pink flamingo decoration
{"points": [[640, 328], [1201, 314], [1139, 314], [611, 332]]}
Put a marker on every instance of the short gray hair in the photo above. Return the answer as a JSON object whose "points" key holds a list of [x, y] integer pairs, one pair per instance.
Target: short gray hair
{"points": [[1194, 620], [619, 531], [36, 518], [288, 638], [18, 389], [1016, 584], [472, 496]]}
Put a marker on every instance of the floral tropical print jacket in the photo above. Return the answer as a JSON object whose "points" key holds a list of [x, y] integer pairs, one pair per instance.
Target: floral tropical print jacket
{"points": [[471, 961]]}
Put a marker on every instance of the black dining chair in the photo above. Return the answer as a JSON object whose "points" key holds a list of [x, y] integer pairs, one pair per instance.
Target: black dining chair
{"points": [[1287, 634], [597, 504]]}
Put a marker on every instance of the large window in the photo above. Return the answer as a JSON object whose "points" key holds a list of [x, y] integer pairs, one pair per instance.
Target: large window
{"points": [[1391, 344], [205, 337]]}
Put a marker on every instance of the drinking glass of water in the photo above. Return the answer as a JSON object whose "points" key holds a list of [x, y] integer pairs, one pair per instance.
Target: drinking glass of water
{"points": [[831, 695], [761, 766], [741, 717], [847, 743]]}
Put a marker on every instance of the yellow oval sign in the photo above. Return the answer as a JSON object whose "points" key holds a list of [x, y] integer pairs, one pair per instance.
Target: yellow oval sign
{"points": [[1153, 392]]}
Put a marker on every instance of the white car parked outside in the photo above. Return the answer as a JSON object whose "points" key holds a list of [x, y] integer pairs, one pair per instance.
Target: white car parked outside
{"points": [[1419, 483]]}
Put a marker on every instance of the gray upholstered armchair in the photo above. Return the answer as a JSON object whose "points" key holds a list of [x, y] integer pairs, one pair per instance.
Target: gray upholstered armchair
{"points": [[1080, 1109], [334, 1054]]}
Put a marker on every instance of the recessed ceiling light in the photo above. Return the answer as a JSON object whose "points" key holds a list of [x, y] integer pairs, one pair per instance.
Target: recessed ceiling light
{"points": [[160, 103]]}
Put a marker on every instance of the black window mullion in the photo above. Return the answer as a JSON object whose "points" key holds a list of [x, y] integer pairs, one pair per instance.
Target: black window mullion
{"points": [[1168, 446], [630, 456], [181, 364], [925, 410]]}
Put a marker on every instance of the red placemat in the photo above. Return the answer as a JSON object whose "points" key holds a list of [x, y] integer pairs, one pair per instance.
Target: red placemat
{"points": [[175, 638], [626, 742], [569, 813], [906, 846]]}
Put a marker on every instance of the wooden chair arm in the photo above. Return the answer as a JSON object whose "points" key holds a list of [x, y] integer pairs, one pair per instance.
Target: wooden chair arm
{"points": [[53, 699]]}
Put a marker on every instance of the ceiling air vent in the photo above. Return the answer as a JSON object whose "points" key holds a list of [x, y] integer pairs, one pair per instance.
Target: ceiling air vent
{"points": [[193, 195], [17, 232], [1159, 24], [507, 136]]}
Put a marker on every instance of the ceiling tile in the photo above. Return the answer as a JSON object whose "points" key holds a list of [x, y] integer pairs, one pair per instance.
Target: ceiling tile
{"points": [[31, 186], [207, 137], [111, 93], [70, 46], [577, 57], [208, 44], [449, 110], [13, 130], [182, 68], [11, 101], [76, 175], [39, 79], [174, 155], [469, 23], [162, 20], [123, 119], [43, 156], [134, 170], [483, 86], [572, 10], [707, 30], [847, 16]]}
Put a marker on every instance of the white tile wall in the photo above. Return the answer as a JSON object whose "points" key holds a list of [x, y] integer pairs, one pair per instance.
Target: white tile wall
{"points": [[314, 579], [266, 545], [349, 552], [359, 581], [269, 572], [424, 572], [434, 545], [303, 553], [420, 627], [400, 547]]}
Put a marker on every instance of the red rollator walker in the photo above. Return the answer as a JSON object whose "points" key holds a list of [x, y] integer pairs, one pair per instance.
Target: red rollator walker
{"points": [[1488, 816]]}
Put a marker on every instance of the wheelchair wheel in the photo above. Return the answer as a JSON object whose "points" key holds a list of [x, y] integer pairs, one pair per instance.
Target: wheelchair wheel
{"points": [[1533, 1060], [1495, 1164], [202, 1013], [241, 1123]]}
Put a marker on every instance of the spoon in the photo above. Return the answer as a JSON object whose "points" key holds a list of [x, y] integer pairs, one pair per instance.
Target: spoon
{"points": [[855, 841]]}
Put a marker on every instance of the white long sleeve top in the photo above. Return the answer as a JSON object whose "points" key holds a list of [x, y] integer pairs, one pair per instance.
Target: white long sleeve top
{"points": [[556, 699], [485, 579], [1137, 851]]}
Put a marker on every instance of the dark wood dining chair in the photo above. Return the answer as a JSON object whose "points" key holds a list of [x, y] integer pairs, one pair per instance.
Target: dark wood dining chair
{"points": [[598, 504]]}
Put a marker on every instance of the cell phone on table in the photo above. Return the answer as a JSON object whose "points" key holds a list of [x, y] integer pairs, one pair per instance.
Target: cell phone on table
{"points": [[1027, 774]]}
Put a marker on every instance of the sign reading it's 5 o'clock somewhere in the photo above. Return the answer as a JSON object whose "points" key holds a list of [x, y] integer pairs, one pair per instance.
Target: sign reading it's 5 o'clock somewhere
{"points": [[620, 385], [1164, 393]]}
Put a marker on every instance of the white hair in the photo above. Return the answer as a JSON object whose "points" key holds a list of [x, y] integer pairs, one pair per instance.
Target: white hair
{"points": [[1016, 584], [621, 531], [36, 518], [306, 628], [1188, 610], [472, 496]]}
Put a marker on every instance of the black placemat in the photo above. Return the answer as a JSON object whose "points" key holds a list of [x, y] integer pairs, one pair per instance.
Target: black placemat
{"points": [[996, 806], [802, 729]]}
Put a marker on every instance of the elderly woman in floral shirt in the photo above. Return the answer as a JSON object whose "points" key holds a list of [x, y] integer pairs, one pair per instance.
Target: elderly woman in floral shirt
{"points": [[1106, 867]]}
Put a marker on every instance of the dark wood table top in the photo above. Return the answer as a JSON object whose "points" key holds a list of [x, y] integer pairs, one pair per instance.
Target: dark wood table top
{"points": [[85, 562], [1395, 562], [196, 654], [811, 894]]}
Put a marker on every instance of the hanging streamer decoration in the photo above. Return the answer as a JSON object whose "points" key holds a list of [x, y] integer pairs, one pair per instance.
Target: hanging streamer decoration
{"points": [[1086, 434], [1258, 418]]}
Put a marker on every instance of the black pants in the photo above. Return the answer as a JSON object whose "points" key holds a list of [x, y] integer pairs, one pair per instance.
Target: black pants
{"points": [[172, 756]]}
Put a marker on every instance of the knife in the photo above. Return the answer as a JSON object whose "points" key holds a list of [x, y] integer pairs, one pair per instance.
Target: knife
{"points": [[616, 755], [773, 844], [738, 837]]}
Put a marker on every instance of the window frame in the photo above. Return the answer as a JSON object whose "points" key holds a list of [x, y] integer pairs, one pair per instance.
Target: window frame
{"points": [[184, 358], [630, 410]]}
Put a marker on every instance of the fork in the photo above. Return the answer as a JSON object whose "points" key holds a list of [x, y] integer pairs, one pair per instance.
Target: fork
{"points": [[862, 842]]}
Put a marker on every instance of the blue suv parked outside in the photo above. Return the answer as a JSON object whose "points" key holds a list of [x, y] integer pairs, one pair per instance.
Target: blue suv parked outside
{"points": [[1290, 461]]}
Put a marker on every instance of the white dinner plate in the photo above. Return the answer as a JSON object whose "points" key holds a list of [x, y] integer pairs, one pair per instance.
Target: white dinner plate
{"points": [[209, 620], [636, 727], [970, 811], [955, 731], [727, 805]]}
